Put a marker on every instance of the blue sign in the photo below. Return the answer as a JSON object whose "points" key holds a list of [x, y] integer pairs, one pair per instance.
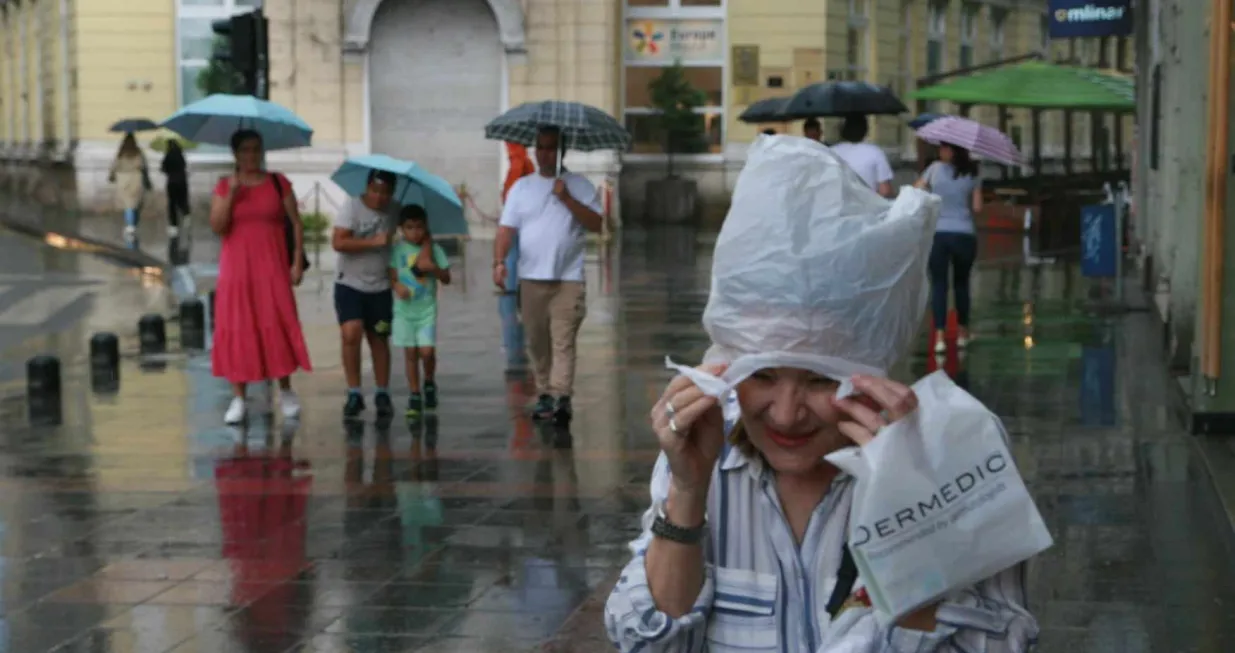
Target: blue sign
{"points": [[1090, 18], [1098, 244]]}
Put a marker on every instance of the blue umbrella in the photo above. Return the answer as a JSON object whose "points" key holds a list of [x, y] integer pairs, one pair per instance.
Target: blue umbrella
{"points": [[415, 185], [923, 119], [214, 119]]}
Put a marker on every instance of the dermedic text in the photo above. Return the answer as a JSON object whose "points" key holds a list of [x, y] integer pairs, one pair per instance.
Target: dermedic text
{"points": [[949, 497]]}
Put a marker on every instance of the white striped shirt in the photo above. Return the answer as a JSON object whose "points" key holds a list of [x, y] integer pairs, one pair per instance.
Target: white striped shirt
{"points": [[764, 593]]}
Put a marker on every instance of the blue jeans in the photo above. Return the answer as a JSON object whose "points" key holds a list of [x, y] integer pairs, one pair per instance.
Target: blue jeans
{"points": [[130, 217], [955, 252]]}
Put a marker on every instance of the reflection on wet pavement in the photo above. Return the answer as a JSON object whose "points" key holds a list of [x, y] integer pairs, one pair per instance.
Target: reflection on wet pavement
{"points": [[144, 525]]}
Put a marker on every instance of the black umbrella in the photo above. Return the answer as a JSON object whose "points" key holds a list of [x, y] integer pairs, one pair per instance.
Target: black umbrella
{"points": [[767, 110], [134, 125], [833, 99]]}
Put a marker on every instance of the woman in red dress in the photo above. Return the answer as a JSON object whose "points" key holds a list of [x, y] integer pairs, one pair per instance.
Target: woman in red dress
{"points": [[257, 335]]}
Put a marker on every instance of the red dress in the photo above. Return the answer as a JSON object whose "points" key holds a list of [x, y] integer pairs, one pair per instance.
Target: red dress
{"points": [[257, 333]]}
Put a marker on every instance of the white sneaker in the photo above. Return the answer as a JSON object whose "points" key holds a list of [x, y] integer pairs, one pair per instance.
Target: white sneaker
{"points": [[289, 404], [130, 232], [172, 231], [941, 344], [235, 411]]}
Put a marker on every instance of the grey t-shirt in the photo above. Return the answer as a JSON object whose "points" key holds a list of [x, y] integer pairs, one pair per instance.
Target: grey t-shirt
{"points": [[364, 271], [955, 213]]}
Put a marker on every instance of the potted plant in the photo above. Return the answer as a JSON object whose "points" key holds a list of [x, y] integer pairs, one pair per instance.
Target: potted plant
{"points": [[673, 199]]}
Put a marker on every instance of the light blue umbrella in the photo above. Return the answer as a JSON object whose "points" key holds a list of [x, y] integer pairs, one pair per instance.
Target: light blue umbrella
{"points": [[214, 119], [415, 185]]}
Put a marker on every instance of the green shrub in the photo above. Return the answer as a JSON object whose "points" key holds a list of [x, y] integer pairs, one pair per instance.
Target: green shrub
{"points": [[159, 144], [315, 226]]}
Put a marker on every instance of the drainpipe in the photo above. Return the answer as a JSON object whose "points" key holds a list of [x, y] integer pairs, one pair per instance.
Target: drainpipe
{"points": [[1215, 213], [66, 89]]}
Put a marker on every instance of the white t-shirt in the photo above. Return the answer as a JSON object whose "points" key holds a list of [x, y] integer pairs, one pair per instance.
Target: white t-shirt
{"points": [[866, 159], [551, 240]]}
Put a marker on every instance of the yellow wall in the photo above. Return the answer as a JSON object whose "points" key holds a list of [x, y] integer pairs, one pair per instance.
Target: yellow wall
{"points": [[123, 43], [571, 50], [780, 30]]}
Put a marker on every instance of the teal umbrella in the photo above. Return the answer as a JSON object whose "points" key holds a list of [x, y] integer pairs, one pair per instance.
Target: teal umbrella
{"points": [[214, 119], [415, 185]]}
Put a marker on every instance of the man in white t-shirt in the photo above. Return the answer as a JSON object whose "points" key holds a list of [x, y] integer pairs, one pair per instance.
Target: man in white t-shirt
{"points": [[550, 215], [866, 159]]}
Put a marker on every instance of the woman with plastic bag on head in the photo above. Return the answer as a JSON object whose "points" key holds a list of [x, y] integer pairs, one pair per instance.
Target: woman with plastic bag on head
{"points": [[818, 286]]}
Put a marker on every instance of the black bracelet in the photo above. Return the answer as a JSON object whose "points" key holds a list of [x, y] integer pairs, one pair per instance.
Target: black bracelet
{"points": [[665, 530]]}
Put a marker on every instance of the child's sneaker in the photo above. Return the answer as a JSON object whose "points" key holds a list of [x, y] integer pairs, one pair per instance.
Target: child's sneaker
{"points": [[544, 407], [430, 395], [385, 407], [415, 405]]}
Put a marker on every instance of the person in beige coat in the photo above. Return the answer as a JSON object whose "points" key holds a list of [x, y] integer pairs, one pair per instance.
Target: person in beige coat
{"points": [[132, 180]]}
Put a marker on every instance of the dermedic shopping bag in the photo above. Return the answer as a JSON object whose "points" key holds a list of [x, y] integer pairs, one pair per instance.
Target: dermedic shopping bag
{"points": [[939, 504]]}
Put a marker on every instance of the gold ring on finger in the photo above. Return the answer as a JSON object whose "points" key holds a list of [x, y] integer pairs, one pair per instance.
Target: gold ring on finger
{"points": [[670, 411], [673, 426]]}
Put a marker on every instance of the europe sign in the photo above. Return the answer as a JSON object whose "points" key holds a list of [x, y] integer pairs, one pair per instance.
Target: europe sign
{"points": [[1090, 18]]}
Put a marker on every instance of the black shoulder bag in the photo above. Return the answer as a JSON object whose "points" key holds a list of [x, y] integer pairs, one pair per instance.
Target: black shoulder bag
{"points": [[846, 577], [289, 229]]}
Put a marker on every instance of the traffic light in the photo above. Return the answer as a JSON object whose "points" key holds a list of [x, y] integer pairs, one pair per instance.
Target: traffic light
{"points": [[243, 47]]}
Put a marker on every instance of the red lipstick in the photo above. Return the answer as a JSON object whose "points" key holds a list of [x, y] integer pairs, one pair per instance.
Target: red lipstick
{"points": [[786, 441]]}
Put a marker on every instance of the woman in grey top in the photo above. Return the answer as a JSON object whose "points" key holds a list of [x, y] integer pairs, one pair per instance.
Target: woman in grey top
{"points": [[955, 179]]}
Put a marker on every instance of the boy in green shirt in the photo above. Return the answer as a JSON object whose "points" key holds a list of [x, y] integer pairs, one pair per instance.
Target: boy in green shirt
{"points": [[417, 265]]}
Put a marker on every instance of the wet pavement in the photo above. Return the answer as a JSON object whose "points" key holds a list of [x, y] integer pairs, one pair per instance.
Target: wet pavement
{"points": [[53, 290], [142, 524]]}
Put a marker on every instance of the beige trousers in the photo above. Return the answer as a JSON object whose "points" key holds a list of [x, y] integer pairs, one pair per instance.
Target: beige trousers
{"points": [[552, 312]]}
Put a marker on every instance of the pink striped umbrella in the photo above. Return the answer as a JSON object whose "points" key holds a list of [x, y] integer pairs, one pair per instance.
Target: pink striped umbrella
{"points": [[986, 142]]}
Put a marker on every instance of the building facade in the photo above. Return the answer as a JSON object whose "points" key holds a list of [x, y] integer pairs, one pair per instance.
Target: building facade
{"points": [[418, 79]]}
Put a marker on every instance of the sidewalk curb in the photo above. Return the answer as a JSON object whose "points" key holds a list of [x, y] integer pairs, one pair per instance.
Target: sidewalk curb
{"points": [[117, 251]]}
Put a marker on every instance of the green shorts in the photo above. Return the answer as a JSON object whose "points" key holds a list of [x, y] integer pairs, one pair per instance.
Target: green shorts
{"points": [[414, 333]]}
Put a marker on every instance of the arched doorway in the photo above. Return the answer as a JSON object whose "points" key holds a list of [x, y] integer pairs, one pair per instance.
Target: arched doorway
{"points": [[434, 81]]}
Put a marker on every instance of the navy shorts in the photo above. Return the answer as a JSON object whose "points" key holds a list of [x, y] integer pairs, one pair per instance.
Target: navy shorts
{"points": [[375, 310]]}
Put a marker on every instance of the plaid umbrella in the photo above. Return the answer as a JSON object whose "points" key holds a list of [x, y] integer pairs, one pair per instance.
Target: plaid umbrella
{"points": [[584, 128], [986, 142]]}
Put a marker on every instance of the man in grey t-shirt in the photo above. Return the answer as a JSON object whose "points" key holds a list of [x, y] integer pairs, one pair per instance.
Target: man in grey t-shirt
{"points": [[362, 297]]}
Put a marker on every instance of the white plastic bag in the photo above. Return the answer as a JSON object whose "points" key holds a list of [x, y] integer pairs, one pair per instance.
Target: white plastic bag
{"points": [[939, 504], [813, 269]]}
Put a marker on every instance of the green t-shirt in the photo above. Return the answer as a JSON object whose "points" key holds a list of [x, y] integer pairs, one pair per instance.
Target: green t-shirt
{"points": [[423, 302]]}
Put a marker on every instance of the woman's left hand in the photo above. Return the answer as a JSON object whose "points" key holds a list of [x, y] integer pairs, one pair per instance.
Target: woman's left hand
{"points": [[879, 402], [297, 273]]}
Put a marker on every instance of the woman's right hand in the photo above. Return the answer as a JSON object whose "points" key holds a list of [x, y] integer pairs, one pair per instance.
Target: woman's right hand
{"points": [[233, 186], [691, 433]]}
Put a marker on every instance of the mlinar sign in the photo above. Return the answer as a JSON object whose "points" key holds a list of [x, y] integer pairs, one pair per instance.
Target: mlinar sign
{"points": [[1089, 18]]}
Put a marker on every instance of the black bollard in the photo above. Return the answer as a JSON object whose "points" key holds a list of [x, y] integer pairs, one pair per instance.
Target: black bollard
{"points": [[105, 362], [152, 332], [192, 324], [210, 308], [43, 391]]}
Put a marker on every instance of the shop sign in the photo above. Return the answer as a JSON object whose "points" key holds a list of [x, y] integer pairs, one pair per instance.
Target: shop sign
{"points": [[1090, 18], [689, 41]]}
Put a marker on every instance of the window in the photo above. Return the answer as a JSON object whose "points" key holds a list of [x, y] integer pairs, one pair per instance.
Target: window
{"points": [[659, 33], [969, 31], [855, 41], [936, 25], [999, 18], [195, 38]]}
